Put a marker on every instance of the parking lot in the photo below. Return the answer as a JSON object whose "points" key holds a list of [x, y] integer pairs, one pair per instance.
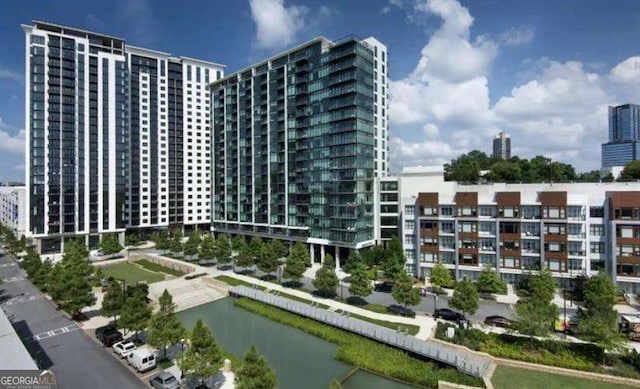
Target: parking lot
{"points": [[55, 341]]}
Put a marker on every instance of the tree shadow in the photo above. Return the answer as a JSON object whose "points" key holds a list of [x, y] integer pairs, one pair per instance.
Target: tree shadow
{"points": [[35, 349]]}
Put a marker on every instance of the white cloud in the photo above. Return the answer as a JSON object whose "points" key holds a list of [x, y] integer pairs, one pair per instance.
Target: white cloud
{"points": [[10, 75], [626, 71], [13, 143], [517, 36], [276, 24], [442, 108]]}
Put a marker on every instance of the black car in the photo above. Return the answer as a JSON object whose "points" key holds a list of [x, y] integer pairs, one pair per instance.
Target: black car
{"points": [[497, 321], [385, 287], [448, 314], [108, 335], [401, 311]]}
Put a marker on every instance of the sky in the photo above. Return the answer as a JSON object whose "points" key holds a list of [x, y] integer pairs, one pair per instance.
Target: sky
{"points": [[544, 71]]}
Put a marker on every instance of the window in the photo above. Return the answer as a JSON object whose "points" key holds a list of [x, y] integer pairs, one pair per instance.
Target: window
{"points": [[486, 211], [627, 213], [389, 186], [429, 241], [596, 211], [446, 211], [428, 225], [509, 262], [509, 228], [409, 210], [554, 229], [410, 254], [409, 224], [624, 232], [468, 227], [447, 227], [554, 212], [466, 211], [467, 259], [429, 257], [510, 245], [509, 212], [628, 250], [408, 239], [597, 247], [429, 210], [554, 247], [468, 243], [596, 230]]}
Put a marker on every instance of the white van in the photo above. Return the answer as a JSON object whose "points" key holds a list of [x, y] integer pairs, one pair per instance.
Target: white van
{"points": [[142, 359]]}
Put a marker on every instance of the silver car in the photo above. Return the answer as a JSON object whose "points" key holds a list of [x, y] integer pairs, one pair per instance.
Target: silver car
{"points": [[164, 380]]}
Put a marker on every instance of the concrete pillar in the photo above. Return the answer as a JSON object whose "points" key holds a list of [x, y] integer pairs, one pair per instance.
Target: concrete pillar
{"points": [[321, 254], [312, 253], [337, 258]]}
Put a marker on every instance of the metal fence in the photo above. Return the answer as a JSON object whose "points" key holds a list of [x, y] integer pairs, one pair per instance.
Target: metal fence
{"points": [[465, 361]]}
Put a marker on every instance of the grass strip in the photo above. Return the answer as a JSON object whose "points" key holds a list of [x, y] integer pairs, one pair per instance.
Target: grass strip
{"points": [[365, 353], [235, 282], [158, 268], [508, 377], [412, 329]]}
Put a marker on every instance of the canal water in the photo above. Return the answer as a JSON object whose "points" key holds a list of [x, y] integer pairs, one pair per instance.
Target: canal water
{"points": [[299, 359]]}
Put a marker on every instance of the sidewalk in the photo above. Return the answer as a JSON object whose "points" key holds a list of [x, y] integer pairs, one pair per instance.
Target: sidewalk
{"points": [[425, 323]]}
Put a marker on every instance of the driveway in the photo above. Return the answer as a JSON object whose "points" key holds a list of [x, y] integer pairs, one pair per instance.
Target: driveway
{"points": [[55, 342]]}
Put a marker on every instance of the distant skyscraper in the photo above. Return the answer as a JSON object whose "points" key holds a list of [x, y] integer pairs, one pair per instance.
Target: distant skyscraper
{"points": [[502, 145], [624, 136]]}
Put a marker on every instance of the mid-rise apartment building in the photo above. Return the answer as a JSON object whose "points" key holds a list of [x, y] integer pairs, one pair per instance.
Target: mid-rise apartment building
{"points": [[13, 208], [111, 131], [624, 136], [570, 228], [297, 142]]}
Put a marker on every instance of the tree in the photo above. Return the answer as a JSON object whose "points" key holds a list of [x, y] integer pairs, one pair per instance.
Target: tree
{"points": [[295, 263], [238, 243], [164, 327], [70, 279], [267, 259], [535, 312], [175, 245], [598, 322], [326, 280], [280, 249], [353, 261], [256, 245], [244, 257], [441, 277], [360, 284], [373, 256], [465, 297], [110, 244], [113, 301], [207, 247], [192, 245], [223, 249], [135, 313], [131, 239], [505, 171], [631, 171], [394, 264], [255, 372], [490, 282], [404, 292], [203, 357], [161, 240]]}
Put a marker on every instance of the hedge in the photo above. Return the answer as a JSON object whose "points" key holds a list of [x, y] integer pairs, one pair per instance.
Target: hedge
{"points": [[364, 353]]}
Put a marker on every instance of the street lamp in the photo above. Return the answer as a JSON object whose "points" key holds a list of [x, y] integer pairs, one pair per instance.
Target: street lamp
{"points": [[435, 301], [182, 355], [341, 290]]}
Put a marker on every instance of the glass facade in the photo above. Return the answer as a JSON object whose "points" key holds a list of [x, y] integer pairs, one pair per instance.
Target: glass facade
{"points": [[624, 136], [293, 144]]}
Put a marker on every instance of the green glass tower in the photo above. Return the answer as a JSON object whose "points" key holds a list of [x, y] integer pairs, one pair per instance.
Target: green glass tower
{"points": [[296, 143]]}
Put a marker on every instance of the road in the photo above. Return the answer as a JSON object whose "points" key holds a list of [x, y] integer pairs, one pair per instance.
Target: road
{"points": [[55, 342]]}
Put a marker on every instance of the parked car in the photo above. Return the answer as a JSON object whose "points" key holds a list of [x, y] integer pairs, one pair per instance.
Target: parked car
{"points": [[448, 314], [164, 380], [498, 321], [142, 359], [99, 255], [401, 311], [385, 287], [124, 348], [108, 335]]}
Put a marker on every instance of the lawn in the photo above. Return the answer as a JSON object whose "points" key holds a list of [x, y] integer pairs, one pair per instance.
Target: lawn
{"points": [[412, 329], [507, 377], [235, 282], [130, 273]]}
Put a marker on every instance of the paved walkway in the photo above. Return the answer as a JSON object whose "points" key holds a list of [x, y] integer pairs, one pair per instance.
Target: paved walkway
{"points": [[425, 323]]}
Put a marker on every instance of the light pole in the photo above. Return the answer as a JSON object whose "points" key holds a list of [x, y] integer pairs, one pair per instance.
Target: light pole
{"points": [[435, 301], [182, 355], [341, 290]]}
